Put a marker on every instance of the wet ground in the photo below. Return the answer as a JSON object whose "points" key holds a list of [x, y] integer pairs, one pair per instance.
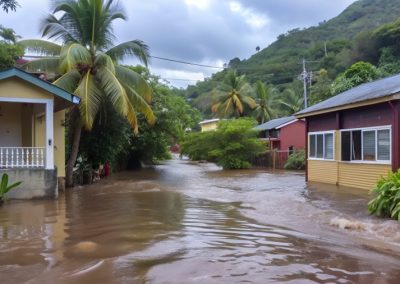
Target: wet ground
{"points": [[185, 222]]}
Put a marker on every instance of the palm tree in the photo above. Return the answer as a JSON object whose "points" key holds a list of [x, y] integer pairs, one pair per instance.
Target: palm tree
{"points": [[291, 102], [231, 96], [88, 64], [264, 102]]}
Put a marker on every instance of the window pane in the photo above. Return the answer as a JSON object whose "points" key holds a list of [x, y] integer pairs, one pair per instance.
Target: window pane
{"points": [[320, 146], [356, 145], [369, 145], [384, 145], [329, 146], [312, 147], [345, 136]]}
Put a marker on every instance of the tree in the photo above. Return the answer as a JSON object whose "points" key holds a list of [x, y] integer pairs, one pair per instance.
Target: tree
{"points": [[9, 51], [264, 101], [233, 145], [357, 74], [321, 90], [291, 102], [257, 48], [9, 5], [232, 95], [88, 64]]}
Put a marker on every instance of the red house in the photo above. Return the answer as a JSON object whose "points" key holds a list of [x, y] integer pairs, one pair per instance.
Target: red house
{"points": [[286, 133]]}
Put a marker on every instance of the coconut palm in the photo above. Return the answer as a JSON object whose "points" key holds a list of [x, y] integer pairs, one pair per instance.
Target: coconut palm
{"points": [[264, 102], [231, 96], [88, 64], [291, 102]]}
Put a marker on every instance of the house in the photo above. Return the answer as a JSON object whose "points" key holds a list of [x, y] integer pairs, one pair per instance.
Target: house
{"points": [[353, 138], [209, 125], [284, 134], [32, 136]]}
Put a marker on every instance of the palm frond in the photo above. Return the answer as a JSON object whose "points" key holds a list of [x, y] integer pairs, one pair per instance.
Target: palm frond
{"points": [[73, 54], [91, 98], [41, 47], [103, 59], [135, 48], [135, 81], [140, 104], [48, 65], [69, 81]]}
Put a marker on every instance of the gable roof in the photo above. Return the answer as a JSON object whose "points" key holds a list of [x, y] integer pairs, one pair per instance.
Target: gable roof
{"points": [[275, 123], [379, 89], [57, 91]]}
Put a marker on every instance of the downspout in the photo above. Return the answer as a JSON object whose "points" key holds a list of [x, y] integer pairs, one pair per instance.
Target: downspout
{"points": [[306, 150]]}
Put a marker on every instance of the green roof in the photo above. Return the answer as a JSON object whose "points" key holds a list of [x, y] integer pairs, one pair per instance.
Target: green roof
{"points": [[57, 91]]}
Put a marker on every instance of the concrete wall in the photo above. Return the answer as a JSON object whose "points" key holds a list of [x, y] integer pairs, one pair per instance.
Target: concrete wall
{"points": [[36, 183]]}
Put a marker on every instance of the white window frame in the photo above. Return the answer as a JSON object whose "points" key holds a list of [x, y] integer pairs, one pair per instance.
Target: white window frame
{"points": [[364, 129], [323, 135]]}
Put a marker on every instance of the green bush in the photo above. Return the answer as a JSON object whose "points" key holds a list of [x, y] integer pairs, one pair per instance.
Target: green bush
{"points": [[5, 187], [233, 145], [296, 161], [387, 197]]}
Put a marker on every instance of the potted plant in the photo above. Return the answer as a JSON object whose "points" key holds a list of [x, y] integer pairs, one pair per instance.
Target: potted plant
{"points": [[4, 187]]}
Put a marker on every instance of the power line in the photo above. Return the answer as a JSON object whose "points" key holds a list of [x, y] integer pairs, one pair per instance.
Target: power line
{"points": [[185, 62]]}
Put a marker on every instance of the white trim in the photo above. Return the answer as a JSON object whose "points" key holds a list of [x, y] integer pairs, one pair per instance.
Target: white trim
{"points": [[323, 149], [209, 121], [25, 100], [49, 136], [288, 123], [365, 129]]}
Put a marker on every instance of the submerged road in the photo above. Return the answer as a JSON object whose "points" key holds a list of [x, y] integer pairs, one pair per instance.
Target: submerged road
{"points": [[183, 222]]}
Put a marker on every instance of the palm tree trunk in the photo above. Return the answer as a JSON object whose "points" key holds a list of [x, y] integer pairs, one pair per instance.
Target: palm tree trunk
{"points": [[77, 124]]}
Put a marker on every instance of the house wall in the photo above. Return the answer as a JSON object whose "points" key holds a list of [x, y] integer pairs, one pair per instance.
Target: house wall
{"points": [[352, 174], [293, 135], [209, 126], [32, 119]]}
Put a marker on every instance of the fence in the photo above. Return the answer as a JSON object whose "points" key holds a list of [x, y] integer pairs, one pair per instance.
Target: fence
{"points": [[22, 157], [272, 159]]}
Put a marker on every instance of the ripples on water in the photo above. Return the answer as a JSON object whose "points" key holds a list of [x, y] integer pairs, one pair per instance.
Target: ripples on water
{"points": [[184, 222]]}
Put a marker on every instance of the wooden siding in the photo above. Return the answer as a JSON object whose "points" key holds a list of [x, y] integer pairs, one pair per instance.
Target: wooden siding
{"points": [[361, 175], [324, 122], [322, 171], [293, 135], [377, 115]]}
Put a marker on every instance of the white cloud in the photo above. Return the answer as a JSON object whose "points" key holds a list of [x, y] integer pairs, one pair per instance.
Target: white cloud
{"points": [[198, 4], [253, 19]]}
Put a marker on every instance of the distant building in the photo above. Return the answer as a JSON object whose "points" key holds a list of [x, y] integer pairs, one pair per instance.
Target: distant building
{"points": [[209, 125], [354, 138], [286, 133]]}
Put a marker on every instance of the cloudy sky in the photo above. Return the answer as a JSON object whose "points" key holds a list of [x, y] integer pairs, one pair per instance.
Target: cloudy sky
{"points": [[209, 32]]}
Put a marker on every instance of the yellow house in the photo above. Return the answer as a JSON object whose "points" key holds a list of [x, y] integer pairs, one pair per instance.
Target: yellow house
{"points": [[209, 125], [32, 132], [353, 139]]}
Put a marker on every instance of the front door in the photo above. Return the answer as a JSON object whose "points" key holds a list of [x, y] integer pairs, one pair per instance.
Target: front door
{"points": [[10, 125]]}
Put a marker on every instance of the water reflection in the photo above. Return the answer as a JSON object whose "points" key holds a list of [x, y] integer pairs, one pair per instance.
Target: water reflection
{"points": [[184, 222]]}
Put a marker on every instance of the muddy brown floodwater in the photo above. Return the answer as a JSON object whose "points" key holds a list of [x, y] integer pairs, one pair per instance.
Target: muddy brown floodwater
{"points": [[183, 222]]}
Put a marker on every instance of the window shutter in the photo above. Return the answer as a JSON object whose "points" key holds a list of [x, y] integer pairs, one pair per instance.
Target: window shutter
{"points": [[328, 146], [311, 151], [320, 146], [369, 146]]}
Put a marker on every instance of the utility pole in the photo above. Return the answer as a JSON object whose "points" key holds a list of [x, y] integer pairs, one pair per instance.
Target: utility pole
{"points": [[304, 76]]}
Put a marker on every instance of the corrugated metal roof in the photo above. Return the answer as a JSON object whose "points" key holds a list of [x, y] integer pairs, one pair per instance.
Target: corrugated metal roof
{"points": [[274, 123], [368, 91]]}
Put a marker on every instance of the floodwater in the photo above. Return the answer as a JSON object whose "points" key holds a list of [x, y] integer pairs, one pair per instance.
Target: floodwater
{"points": [[184, 222]]}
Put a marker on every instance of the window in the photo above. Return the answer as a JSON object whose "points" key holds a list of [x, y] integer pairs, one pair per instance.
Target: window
{"points": [[366, 145], [321, 146]]}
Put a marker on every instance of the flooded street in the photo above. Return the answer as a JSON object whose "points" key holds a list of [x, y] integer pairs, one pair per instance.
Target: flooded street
{"points": [[183, 222]]}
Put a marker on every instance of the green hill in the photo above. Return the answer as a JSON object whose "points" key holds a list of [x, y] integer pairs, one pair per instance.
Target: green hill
{"points": [[344, 36]]}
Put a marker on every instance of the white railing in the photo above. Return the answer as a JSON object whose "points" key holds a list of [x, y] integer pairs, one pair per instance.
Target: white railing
{"points": [[22, 157]]}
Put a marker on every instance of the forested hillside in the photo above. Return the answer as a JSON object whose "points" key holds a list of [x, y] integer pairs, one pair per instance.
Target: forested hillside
{"points": [[332, 47]]}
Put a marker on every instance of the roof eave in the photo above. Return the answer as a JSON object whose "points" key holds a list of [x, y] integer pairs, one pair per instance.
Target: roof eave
{"points": [[350, 106]]}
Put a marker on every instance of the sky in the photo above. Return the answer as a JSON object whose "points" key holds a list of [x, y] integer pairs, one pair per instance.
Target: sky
{"points": [[209, 32]]}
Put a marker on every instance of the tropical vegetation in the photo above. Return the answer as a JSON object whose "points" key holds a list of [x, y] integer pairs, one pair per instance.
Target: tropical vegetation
{"points": [[232, 146], [5, 187], [296, 161], [387, 197], [87, 65], [8, 5]]}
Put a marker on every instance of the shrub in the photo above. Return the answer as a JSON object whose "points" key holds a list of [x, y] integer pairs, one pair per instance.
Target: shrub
{"points": [[5, 187], [233, 145], [296, 161], [387, 197]]}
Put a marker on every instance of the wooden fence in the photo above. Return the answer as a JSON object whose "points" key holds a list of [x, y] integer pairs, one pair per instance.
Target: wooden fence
{"points": [[272, 159]]}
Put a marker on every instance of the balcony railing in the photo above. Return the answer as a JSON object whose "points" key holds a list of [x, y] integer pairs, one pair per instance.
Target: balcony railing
{"points": [[22, 157]]}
